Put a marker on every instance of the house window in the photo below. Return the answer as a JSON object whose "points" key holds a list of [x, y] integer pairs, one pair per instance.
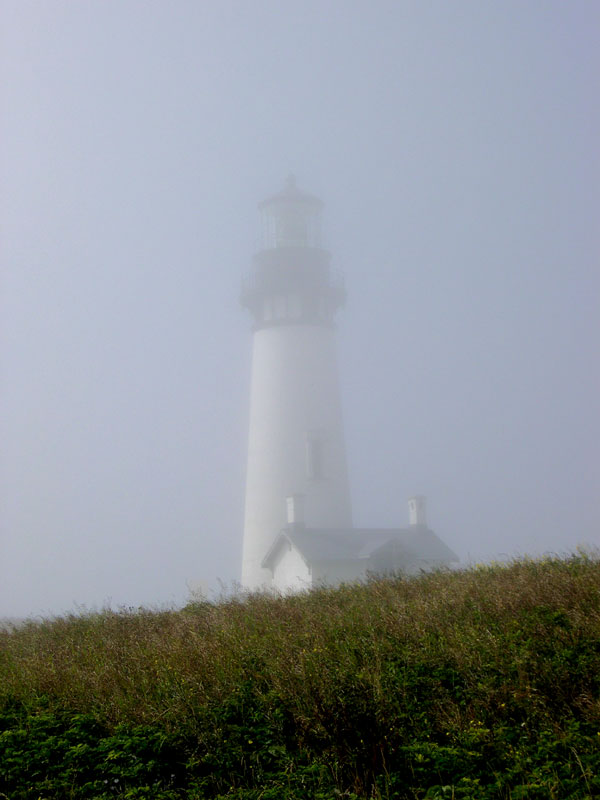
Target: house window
{"points": [[294, 306], [280, 304], [268, 310]]}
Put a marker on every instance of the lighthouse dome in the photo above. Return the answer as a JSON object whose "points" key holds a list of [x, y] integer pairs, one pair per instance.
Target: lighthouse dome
{"points": [[291, 218]]}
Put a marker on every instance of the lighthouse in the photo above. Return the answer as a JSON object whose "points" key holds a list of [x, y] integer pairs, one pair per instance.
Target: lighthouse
{"points": [[296, 451], [298, 531]]}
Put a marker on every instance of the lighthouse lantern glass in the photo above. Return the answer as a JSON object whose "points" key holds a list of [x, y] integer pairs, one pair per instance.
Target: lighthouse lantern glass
{"points": [[289, 224]]}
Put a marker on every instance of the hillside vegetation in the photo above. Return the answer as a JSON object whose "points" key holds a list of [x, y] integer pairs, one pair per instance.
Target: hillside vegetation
{"points": [[479, 684]]}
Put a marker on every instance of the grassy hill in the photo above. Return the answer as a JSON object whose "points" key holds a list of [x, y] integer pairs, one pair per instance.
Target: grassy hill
{"points": [[479, 684]]}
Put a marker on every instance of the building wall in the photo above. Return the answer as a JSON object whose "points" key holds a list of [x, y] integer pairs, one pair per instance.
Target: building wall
{"points": [[291, 573], [294, 402], [334, 573]]}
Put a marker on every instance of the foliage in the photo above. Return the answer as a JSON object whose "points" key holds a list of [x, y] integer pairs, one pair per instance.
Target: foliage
{"points": [[478, 684]]}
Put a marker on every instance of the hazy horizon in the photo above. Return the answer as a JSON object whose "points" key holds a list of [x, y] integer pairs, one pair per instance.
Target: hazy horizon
{"points": [[455, 147]]}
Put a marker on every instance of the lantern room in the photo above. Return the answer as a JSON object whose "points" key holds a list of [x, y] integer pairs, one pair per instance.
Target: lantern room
{"points": [[291, 218]]}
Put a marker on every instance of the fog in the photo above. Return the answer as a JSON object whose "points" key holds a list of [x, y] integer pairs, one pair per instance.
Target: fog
{"points": [[455, 146]]}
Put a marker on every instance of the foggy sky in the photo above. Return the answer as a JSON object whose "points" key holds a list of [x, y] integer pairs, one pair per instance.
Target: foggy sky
{"points": [[455, 146]]}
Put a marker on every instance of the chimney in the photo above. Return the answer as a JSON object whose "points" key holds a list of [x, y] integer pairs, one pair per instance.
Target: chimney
{"points": [[295, 510], [417, 514]]}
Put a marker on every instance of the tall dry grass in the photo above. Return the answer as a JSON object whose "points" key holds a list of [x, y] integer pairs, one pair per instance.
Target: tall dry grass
{"points": [[145, 666], [483, 661]]}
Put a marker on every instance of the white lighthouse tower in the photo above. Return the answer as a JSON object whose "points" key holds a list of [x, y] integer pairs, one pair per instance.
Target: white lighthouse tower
{"points": [[296, 441]]}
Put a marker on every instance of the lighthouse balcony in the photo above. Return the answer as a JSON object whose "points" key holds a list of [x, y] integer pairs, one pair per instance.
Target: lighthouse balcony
{"points": [[266, 280], [276, 302]]}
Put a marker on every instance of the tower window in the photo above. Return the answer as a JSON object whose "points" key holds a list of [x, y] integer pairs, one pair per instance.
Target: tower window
{"points": [[314, 458]]}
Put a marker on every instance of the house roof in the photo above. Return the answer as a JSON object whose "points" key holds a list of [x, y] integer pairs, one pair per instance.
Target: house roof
{"points": [[417, 543]]}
